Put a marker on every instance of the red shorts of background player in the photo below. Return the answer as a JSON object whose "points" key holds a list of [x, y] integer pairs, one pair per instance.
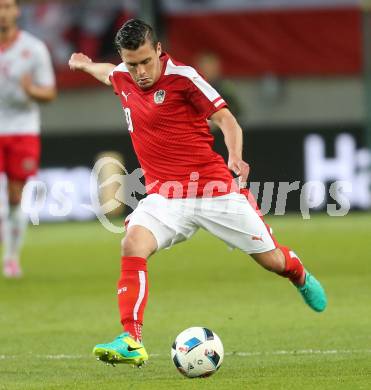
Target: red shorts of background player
{"points": [[19, 156]]}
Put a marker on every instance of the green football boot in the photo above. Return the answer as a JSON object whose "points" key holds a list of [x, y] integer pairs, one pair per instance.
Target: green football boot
{"points": [[313, 293], [124, 349]]}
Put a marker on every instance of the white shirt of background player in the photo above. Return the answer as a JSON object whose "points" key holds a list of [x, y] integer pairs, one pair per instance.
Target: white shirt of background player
{"points": [[27, 55]]}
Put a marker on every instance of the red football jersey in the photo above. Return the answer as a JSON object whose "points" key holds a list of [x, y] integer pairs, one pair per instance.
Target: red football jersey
{"points": [[170, 134]]}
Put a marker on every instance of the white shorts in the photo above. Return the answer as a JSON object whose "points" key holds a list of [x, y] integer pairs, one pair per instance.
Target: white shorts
{"points": [[229, 217]]}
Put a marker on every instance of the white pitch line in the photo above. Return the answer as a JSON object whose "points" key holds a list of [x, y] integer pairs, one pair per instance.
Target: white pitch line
{"points": [[301, 352], [240, 354]]}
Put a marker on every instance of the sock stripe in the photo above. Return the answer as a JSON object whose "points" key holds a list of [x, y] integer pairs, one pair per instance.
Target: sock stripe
{"points": [[142, 290]]}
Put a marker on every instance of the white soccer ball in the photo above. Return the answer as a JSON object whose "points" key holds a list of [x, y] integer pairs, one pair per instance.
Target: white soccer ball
{"points": [[197, 352]]}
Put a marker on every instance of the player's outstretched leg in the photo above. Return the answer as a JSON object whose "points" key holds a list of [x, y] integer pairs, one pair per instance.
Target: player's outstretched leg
{"points": [[286, 263], [308, 286], [124, 349], [132, 298]]}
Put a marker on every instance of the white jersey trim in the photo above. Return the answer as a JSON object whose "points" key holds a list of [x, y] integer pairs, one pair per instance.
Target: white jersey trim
{"points": [[197, 80], [119, 68]]}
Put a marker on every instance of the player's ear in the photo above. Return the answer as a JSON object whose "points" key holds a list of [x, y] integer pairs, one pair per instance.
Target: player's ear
{"points": [[158, 49]]}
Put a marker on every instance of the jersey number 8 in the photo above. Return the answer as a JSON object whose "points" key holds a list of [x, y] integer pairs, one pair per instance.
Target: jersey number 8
{"points": [[128, 119]]}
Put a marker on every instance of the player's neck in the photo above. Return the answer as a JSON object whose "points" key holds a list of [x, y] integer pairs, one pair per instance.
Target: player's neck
{"points": [[161, 71], [7, 36]]}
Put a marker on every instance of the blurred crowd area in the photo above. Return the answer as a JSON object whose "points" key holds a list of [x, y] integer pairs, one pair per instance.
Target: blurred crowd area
{"points": [[223, 39], [67, 26]]}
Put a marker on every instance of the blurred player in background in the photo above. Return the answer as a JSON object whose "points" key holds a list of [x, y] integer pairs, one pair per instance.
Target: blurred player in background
{"points": [[210, 67], [167, 105], [26, 78]]}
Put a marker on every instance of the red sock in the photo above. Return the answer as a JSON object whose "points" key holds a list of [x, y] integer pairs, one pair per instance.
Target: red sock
{"points": [[133, 294], [294, 269]]}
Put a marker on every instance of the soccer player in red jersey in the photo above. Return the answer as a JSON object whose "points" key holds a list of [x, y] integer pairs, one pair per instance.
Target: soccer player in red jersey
{"points": [[167, 105], [26, 78]]}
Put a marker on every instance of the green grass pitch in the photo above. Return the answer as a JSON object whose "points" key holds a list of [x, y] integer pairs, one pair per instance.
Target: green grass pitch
{"points": [[66, 303]]}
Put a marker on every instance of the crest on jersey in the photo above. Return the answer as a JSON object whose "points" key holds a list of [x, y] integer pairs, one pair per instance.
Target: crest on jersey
{"points": [[159, 96]]}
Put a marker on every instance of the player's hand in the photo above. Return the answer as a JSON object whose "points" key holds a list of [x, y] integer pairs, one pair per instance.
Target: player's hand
{"points": [[78, 61], [240, 168]]}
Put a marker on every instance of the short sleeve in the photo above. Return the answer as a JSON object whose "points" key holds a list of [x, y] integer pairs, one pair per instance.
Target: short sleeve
{"points": [[116, 78], [205, 99], [113, 82], [43, 72]]}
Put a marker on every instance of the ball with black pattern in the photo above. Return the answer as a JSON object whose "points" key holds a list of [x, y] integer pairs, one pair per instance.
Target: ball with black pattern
{"points": [[197, 352]]}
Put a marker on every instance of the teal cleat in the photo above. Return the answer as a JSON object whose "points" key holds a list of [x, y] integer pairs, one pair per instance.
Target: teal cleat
{"points": [[124, 349], [313, 293]]}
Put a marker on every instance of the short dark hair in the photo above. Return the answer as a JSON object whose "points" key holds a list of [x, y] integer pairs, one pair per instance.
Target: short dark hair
{"points": [[133, 34]]}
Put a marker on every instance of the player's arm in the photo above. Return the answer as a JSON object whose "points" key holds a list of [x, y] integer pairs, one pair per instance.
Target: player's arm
{"points": [[100, 71], [37, 92], [233, 139]]}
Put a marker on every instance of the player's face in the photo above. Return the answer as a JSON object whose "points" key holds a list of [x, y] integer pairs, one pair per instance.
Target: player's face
{"points": [[144, 64], [9, 13]]}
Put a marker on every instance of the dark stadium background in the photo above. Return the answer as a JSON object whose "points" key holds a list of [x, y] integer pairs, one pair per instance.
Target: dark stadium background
{"points": [[264, 149]]}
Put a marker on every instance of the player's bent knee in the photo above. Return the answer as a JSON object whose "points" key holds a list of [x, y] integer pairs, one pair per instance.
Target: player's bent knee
{"points": [[138, 241]]}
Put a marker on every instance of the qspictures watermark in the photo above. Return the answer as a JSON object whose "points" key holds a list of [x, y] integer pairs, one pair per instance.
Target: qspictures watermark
{"points": [[273, 196]]}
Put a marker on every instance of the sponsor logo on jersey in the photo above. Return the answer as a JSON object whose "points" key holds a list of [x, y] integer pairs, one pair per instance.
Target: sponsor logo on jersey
{"points": [[126, 96], [159, 96]]}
